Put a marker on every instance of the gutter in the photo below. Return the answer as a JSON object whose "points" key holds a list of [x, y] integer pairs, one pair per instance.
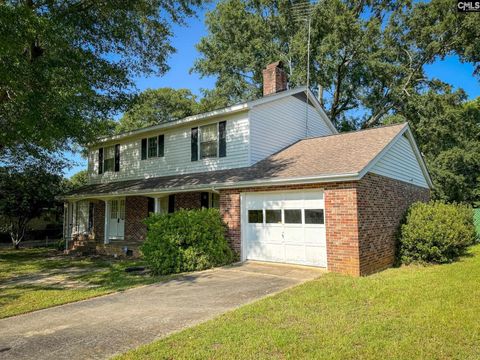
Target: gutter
{"points": [[216, 187]]}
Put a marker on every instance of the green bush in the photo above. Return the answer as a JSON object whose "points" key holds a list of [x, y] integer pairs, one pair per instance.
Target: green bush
{"points": [[60, 245], [436, 232], [187, 240]]}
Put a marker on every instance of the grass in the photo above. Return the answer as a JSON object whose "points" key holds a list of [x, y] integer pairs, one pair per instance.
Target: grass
{"points": [[92, 277], [404, 313]]}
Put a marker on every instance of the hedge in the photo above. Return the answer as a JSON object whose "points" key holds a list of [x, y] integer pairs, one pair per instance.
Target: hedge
{"points": [[187, 240], [436, 232]]}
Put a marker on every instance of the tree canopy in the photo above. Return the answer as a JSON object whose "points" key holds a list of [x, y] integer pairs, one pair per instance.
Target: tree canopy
{"points": [[447, 128], [366, 56], [77, 180], [24, 194], [67, 67], [367, 65], [153, 107]]}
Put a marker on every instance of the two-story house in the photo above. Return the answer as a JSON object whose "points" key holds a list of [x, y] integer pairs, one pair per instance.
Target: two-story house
{"points": [[289, 187]]}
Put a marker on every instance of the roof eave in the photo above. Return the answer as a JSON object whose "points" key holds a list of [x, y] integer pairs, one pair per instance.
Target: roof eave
{"points": [[230, 185]]}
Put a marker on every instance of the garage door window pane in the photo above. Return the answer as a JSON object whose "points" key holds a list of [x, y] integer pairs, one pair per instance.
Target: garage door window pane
{"points": [[293, 216], [273, 216], [255, 216], [314, 216]]}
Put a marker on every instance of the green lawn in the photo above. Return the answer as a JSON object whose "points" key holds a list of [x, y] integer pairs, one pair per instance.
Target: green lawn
{"points": [[406, 313], [44, 278]]}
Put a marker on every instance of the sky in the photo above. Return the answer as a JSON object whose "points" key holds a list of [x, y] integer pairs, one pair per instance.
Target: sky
{"points": [[186, 37]]}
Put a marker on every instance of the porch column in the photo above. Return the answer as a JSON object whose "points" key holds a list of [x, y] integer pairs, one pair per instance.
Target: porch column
{"points": [[107, 222], [157, 205], [74, 218], [65, 219]]}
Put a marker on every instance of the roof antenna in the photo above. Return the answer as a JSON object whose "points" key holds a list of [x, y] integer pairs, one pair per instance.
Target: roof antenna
{"points": [[302, 11]]}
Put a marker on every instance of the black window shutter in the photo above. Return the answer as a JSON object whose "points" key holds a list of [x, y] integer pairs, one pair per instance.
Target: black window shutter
{"points": [[151, 205], [171, 204], [117, 157], [161, 145], [100, 160], [222, 141], [204, 200], [144, 149], [195, 144]]}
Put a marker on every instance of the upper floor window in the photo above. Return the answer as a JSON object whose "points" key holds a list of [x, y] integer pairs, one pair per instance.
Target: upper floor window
{"points": [[209, 141], [109, 159], [153, 147]]}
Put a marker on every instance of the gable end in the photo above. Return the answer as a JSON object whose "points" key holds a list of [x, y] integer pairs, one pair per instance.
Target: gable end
{"points": [[401, 162]]}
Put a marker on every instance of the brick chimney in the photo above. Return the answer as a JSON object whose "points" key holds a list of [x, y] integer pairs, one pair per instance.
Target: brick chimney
{"points": [[274, 78]]}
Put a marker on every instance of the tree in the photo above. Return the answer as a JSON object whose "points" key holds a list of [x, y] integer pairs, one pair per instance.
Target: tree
{"points": [[366, 56], [447, 128], [67, 66], [24, 195], [79, 179], [153, 107]]}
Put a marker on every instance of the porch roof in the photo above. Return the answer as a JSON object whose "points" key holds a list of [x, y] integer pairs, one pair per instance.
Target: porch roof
{"points": [[339, 157]]}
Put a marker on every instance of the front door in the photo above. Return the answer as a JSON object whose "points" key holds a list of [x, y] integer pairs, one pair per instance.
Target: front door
{"points": [[117, 219]]}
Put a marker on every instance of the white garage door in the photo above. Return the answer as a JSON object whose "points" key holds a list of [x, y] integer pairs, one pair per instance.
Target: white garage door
{"points": [[285, 227]]}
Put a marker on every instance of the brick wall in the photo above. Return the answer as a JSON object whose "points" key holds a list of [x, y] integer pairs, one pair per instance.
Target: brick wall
{"points": [[342, 228], [382, 203], [99, 221], [231, 214], [187, 200], [361, 219], [136, 210]]}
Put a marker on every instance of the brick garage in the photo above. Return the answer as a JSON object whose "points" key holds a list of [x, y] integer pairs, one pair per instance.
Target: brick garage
{"points": [[361, 219]]}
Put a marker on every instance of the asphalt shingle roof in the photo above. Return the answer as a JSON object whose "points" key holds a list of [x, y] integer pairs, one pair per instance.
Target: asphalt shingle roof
{"points": [[339, 154]]}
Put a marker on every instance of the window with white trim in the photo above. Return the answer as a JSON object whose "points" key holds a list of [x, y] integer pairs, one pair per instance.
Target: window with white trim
{"points": [[152, 147], [208, 141], [109, 158]]}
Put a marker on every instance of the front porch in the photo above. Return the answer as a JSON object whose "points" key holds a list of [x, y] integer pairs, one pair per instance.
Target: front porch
{"points": [[114, 225]]}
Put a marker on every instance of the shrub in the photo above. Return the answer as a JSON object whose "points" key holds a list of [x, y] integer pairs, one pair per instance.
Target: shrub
{"points": [[60, 245], [436, 232], [187, 240]]}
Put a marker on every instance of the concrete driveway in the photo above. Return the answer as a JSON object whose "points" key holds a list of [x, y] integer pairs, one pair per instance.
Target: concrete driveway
{"points": [[107, 325]]}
